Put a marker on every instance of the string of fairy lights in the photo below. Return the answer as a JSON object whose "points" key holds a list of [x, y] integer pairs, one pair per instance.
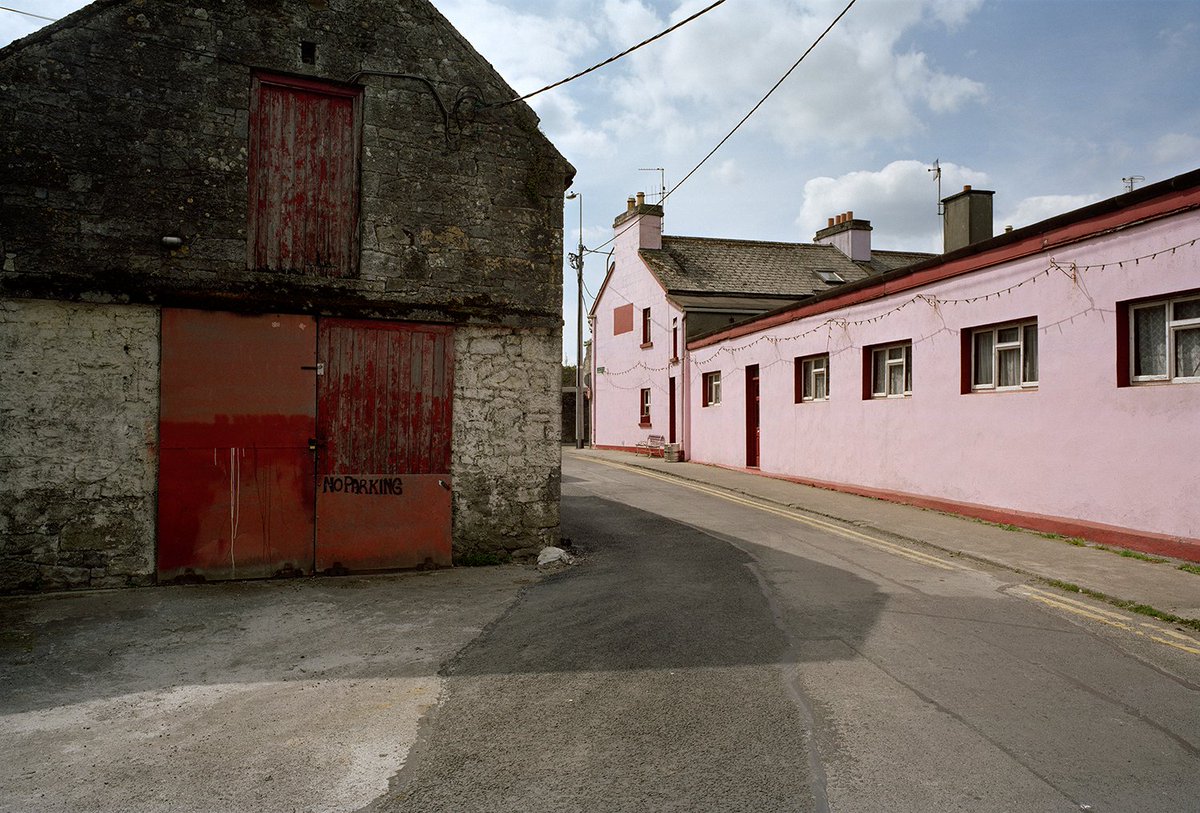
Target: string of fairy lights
{"points": [[1069, 269]]}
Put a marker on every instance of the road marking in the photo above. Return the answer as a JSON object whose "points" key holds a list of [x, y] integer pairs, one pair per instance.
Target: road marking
{"points": [[1110, 618], [880, 544]]}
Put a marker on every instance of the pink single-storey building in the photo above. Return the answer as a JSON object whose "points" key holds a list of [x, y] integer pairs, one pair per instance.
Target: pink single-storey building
{"points": [[1047, 377], [662, 291]]}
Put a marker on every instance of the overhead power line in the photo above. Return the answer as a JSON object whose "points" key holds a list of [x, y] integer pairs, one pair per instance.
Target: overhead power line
{"points": [[745, 118], [28, 13], [613, 59]]}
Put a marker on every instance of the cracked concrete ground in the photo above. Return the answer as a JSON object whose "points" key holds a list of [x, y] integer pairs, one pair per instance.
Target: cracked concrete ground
{"points": [[255, 696]]}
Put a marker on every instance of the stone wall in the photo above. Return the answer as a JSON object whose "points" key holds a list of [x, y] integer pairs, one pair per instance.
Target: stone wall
{"points": [[79, 416], [129, 121], [507, 463]]}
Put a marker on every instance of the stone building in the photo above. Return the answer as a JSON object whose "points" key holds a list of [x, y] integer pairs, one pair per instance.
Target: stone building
{"points": [[280, 294]]}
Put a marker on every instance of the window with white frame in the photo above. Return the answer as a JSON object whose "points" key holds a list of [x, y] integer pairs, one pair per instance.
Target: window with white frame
{"points": [[891, 371], [644, 413], [1165, 340], [812, 378], [711, 388], [1005, 357]]}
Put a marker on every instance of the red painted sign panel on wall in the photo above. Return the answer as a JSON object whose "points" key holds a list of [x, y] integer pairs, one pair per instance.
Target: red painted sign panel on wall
{"points": [[304, 144]]}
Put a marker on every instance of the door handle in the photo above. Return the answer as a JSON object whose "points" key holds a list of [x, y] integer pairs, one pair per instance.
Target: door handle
{"points": [[314, 444]]}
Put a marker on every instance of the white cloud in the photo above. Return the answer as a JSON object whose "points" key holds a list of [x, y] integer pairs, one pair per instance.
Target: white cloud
{"points": [[900, 200], [729, 173], [1174, 147], [528, 49], [953, 13], [1040, 207], [1182, 38]]}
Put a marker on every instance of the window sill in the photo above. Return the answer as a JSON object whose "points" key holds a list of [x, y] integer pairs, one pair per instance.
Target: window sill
{"points": [[645, 345], [1001, 390], [1158, 382], [645, 424]]}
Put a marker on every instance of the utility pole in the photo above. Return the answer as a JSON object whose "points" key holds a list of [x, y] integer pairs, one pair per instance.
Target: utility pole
{"points": [[577, 264]]}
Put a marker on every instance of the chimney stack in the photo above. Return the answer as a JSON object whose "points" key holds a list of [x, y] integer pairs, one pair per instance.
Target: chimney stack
{"points": [[851, 237], [647, 230], [966, 218]]}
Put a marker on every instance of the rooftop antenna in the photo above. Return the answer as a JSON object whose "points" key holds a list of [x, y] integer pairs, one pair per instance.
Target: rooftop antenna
{"points": [[1131, 180], [662, 181], [936, 169]]}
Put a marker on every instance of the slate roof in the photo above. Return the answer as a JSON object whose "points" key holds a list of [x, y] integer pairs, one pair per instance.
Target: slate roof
{"points": [[705, 265]]}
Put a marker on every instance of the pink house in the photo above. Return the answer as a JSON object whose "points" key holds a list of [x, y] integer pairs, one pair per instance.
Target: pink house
{"points": [[662, 292], [1047, 377]]}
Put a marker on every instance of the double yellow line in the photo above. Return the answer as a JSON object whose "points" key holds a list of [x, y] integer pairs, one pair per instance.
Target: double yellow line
{"points": [[873, 541], [1110, 618], [1102, 615]]}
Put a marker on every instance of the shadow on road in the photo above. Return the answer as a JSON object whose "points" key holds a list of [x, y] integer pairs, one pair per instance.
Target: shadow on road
{"points": [[656, 594]]}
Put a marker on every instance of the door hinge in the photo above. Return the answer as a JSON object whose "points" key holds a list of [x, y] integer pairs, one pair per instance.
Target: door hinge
{"points": [[320, 368]]}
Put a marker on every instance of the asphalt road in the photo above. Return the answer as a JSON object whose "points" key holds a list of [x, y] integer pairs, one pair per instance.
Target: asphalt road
{"points": [[714, 653]]}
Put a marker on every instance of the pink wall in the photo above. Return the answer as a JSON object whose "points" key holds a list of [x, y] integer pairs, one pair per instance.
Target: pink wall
{"points": [[628, 366], [1076, 447]]}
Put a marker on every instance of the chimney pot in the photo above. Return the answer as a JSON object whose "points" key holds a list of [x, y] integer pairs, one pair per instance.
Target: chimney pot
{"points": [[829, 225], [966, 187], [641, 198], [629, 204], [850, 215]]}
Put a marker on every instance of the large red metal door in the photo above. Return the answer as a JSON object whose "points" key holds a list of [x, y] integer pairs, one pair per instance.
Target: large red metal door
{"points": [[384, 407], [235, 471]]}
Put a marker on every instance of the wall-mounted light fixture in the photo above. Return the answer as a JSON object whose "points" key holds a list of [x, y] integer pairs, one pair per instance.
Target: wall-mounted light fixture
{"points": [[172, 242]]}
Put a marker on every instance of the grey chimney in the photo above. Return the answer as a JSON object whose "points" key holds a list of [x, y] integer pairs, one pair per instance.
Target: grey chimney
{"points": [[966, 219]]}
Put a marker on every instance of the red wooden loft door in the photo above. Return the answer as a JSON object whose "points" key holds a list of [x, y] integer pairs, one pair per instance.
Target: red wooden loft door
{"points": [[274, 461], [383, 490], [303, 176]]}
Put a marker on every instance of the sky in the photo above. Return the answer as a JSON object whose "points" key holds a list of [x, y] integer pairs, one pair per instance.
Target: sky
{"points": [[1050, 103]]}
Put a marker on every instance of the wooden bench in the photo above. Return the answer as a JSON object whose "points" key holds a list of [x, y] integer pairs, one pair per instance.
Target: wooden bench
{"points": [[653, 445]]}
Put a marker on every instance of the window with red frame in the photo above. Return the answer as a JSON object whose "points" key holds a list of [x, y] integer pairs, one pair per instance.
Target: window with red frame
{"points": [[644, 414], [645, 327]]}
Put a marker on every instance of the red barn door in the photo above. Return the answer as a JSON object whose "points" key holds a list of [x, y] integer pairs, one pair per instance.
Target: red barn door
{"points": [[303, 176], [384, 407], [235, 471]]}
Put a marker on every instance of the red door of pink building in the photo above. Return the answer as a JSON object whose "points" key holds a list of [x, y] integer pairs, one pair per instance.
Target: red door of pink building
{"points": [[290, 445], [752, 417]]}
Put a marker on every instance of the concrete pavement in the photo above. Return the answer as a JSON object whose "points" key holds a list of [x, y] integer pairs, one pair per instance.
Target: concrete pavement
{"points": [[265, 696], [1160, 585]]}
